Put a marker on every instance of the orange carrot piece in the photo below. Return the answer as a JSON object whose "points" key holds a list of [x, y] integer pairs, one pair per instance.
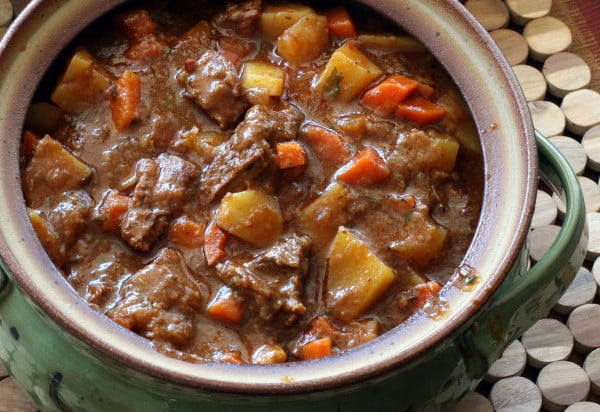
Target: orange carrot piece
{"points": [[113, 208], [30, 142], [340, 24], [426, 291], [387, 95], [226, 308], [125, 105], [317, 349], [420, 111], [137, 24], [328, 146], [214, 244], [187, 232], [404, 204], [367, 168], [321, 327], [290, 154], [425, 90]]}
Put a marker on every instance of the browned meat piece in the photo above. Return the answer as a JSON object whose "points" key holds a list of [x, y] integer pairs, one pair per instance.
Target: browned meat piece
{"points": [[212, 82], [273, 278], [159, 302], [69, 214], [248, 146], [241, 18], [160, 191]]}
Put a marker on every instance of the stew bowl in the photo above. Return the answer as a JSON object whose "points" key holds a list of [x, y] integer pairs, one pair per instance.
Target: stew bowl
{"points": [[66, 356]]}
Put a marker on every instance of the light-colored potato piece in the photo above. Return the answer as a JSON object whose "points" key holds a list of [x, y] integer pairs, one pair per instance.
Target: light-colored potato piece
{"points": [[43, 117], [274, 20], [47, 237], [458, 120], [391, 43], [251, 215], [347, 73], [424, 242], [259, 75], [442, 154], [305, 40], [356, 278]]}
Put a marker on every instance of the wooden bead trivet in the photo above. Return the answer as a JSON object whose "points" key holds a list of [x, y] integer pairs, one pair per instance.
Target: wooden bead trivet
{"points": [[512, 44], [540, 239], [562, 384], [474, 402], [545, 210], [6, 13], [572, 150], [582, 110], [581, 291], [547, 341], [516, 394], [584, 323], [591, 145], [13, 399], [592, 368], [522, 11], [547, 118], [583, 407], [593, 247], [591, 196], [596, 274], [546, 36], [492, 14], [512, 363], [566, 72], [532, 82]]}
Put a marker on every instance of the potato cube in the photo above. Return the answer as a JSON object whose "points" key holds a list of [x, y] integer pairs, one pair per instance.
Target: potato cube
{"points": [[251, 215], [458, 121], [258, 75], [304, 41], [274, 20], [424, 242], [47, 237], [356, 278], [347, 73], [391, 43], [442, 153]]}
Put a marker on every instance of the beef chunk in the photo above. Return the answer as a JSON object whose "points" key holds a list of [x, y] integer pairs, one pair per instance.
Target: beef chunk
{"points": [[241, 18], [69, 214], [212, 82], [273, 278], [160, 191], [248, 147], [159, 301]]}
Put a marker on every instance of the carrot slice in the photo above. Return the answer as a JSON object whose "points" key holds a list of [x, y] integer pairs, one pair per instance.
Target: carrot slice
{"points": [[187, 232], [328, 146], [30, 142], [322, 327], [214, 244], [137, 24], [290, 155], [113, 208], [225, 307], [420, 111], [340, 24], [125, 105], [387, 95], [367, 168], [426, 291], [404, 204], [317, 349]]}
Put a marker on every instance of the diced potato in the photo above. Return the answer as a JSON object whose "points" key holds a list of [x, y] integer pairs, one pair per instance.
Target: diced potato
{"points": [[274, 20], [424, 241], [458, 120], [251, 215], [347, 73], [47, 237], [391, 43], [322, 218], [84, 81], [43, 117], [265, 76], [268, 354], [356, 278], [305, 40], [442, 154]]}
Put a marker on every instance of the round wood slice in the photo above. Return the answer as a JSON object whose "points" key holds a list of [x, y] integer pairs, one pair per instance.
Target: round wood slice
{"points": [[591, 196], [582, 110], [3, 31], [547, 36], [6, 12], [512, 44], [592, 368], [593, 248], [545, 210], [540, 239], [566, 72], [584, 323], [591, 145], [572, 150], [581, 291], [474, 402], [547, 341], [492, 14], [523, 11], [562, 384], [547, 118], [512, 363], [516, 394], [532, 82], [584, 407], [13, 399], [596, 274]]}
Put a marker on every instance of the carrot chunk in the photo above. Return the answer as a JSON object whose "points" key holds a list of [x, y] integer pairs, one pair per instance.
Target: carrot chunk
{"points": [[317, 349], [125, 105], [426, 291], [112, 210], [225, 307], [404, 204], [137, 24], [290, 155], [425, 90], [214, 244], [420, 111], [322, 327], [367, 168], [328, 146], [30, 142], [387, 95], [340, 24], [187, 232]]}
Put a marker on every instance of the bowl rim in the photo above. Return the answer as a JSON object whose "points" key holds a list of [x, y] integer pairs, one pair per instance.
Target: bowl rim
{"points": [[36, 275]]}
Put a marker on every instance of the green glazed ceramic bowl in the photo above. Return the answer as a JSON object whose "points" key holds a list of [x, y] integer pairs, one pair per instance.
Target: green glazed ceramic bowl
{"points": [[68, 357]]}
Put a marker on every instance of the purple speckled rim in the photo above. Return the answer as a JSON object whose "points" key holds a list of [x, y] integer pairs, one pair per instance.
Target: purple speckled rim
{"points": [[502, 117]]}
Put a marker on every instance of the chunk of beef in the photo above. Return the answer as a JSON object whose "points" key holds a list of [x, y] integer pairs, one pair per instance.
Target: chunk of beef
{"points": [[241, 18], [212, 82], [248, 147], [69, 214], [273, 278], [159, 302], [160, 191]]}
